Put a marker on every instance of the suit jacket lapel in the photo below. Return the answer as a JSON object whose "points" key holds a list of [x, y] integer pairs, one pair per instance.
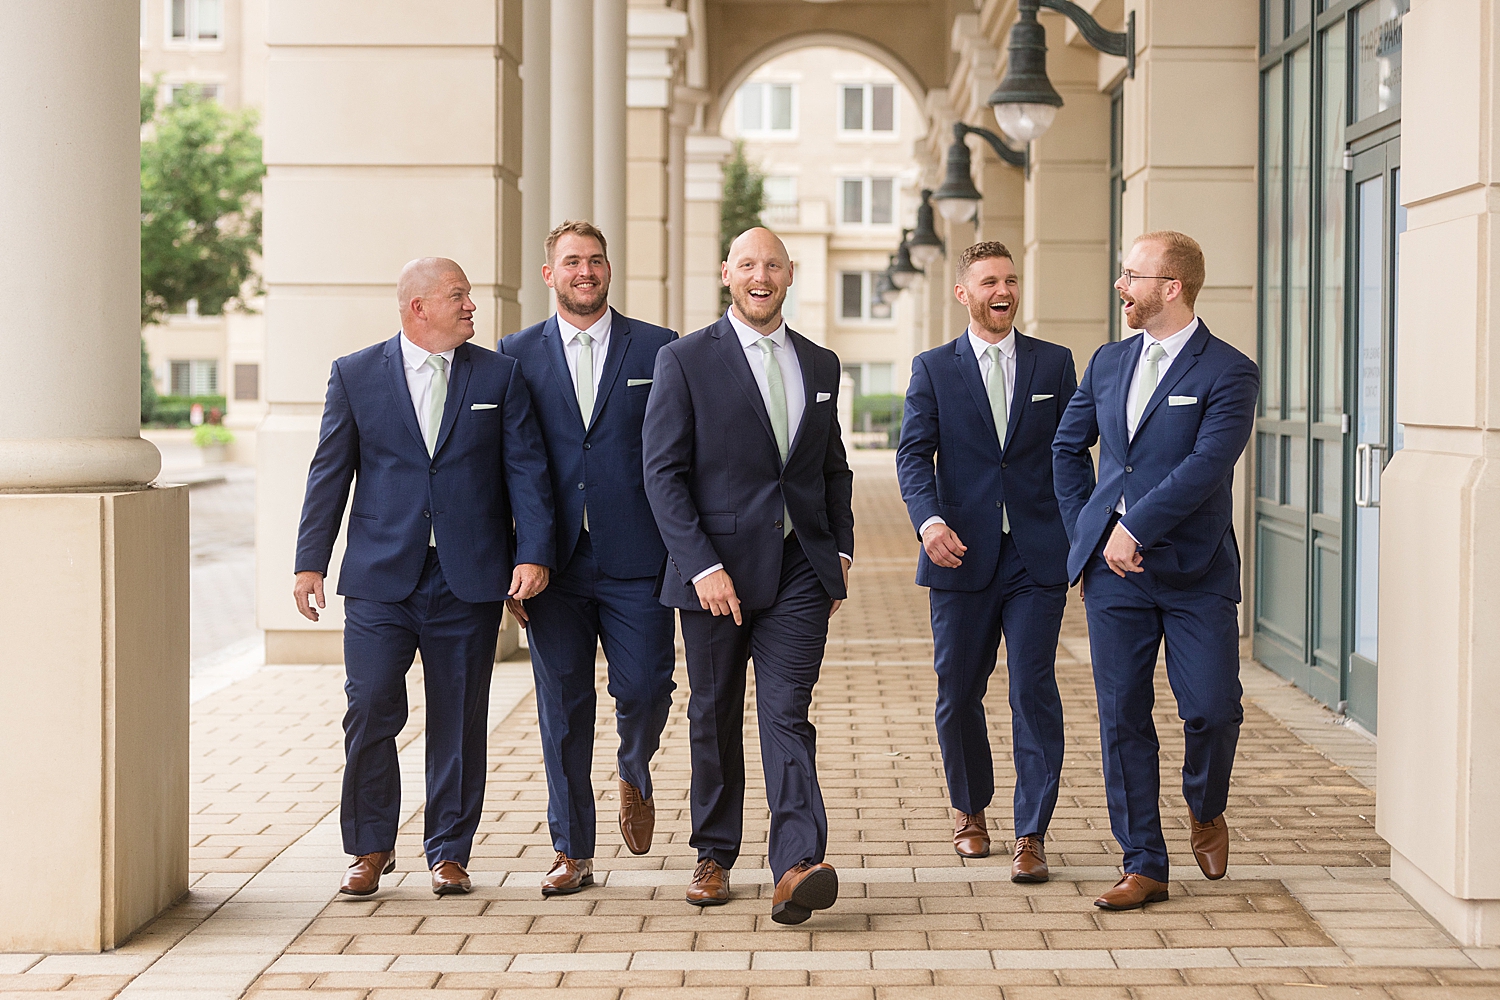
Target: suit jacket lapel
{"points": [[552, 339], [805, 361], [458, 382], [732, 353], [619, 343], [395, 364], [1185, 360], [1128, 358], [968, 370], [1021, 391]]}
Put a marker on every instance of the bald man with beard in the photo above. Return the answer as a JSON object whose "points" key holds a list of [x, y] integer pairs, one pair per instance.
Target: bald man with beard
{"points": [[747, 478], [452, 515]]}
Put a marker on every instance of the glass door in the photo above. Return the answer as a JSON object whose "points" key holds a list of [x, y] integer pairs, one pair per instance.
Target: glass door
{"points": [[1379, 221]]}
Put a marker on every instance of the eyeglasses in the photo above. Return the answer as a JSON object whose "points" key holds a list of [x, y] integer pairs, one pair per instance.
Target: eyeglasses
{"points": [[1131, 276]]}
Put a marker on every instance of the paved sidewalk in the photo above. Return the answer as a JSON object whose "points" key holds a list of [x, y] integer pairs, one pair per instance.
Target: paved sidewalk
{"points": [[1306, 912]]}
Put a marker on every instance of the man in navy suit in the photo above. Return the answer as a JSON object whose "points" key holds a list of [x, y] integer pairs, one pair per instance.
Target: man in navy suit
{"points": [[452, 514], [1153, 544], [589, 371], [994, 552], [747, 477]]}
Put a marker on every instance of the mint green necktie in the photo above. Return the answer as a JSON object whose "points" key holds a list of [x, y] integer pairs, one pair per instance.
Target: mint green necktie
{"points": [[776, 389], [995, 387], [437, 398], [1146, 381], [586, 377]]}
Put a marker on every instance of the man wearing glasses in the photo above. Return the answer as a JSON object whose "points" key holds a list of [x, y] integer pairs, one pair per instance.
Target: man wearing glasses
{"points": [[1153, 547]]}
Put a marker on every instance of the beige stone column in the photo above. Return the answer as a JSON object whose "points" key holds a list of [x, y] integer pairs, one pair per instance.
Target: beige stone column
{"points": [[93, 568], [703, 192], [609, 124], [572, 168], [352, 193], [536, 158], [1439, 642]]}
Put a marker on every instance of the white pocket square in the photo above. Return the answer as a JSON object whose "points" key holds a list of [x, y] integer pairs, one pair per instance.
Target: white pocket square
{"points": [[1038, 399], [636, 381], [1181, 400], [484, 406], [824, 397]]}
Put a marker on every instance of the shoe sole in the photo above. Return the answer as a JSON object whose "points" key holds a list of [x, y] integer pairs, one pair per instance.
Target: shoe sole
{"points": [[1024, 879], [452, 889], [583, 883], [963, 855], [1155, 897], [818, 891], [708, 901], [374, 888]]}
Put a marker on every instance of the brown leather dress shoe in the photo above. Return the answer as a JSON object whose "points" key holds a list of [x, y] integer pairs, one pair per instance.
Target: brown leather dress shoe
{"points": [[1133, 892], [1030, 864], [1210, 844], [450, 879], [637, 818], [710, 884], [363, 877], [568, 875], [806, 887], [971, 837]]}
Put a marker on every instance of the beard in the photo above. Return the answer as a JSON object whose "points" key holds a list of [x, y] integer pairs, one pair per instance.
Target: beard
{"points": [[986, 320], [582, 305], [758, 311], [1147, 308]]}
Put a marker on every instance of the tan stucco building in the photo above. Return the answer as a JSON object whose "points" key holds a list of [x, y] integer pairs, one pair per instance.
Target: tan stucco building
{"points": [[1337, 160]]}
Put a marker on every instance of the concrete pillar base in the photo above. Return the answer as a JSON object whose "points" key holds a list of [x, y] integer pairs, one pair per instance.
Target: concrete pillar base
{"points": [[1474, 922], [94, 713]]}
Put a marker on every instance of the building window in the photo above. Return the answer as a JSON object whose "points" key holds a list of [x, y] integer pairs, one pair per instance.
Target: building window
{"points": [[195, 378], [1116, 203], [247, 381], [872, 378], [781, 201], [857, 299], [206, 91], [768, 108], [867, 201], [868, 107], [191, 22]]}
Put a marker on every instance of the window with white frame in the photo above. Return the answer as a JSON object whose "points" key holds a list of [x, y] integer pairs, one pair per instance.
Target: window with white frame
{"points": [[867, 201], [206, 91], [872, 378], [767, 108], [195, 22], [868, 107], [781, 201], [195, 378], [857, 298]]}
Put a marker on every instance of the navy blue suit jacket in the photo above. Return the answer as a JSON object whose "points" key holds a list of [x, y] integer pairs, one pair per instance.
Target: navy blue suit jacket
{"points": [[600, 466], [1176, 475], [484, 492], [948, 415], [715, 478]]}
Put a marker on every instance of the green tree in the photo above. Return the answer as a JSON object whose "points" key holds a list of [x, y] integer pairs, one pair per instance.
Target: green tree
{"points": [[744, 200], [148, 387], [201, 174]]}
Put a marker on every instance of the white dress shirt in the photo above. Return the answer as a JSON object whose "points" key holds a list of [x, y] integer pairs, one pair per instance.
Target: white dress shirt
{"points": [[419, 379], [1173, 345], [572, 347], [791, 382], [986, 372]]}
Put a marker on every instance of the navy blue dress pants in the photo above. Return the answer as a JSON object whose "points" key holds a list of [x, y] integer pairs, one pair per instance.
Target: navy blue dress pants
{"points": [[786, 642], [966, 632], [1128, 619], [457, 642], [580, 609]]}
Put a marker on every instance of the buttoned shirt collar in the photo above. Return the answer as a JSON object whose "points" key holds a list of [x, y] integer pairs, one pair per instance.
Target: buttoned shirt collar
{"points": [[598, 332], [1174, 344], [749, 336], [416, 357]]}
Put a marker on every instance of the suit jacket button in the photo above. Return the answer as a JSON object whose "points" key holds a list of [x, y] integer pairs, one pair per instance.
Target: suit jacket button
{"points": [[1129, 469], [586, 446], [580, 486], [999, 503], [432, 472], [426, 513], [1004, 465], [778, 524]]}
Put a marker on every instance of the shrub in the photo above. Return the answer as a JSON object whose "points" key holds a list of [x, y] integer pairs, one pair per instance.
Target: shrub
{"points": [[208, 435], [172, 411]]}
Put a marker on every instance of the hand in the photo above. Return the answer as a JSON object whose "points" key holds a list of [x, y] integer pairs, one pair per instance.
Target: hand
{"points": [[309, 583], [517, 611], [1121, 552], [528, 580], [836, 604], [943, 546], [716, 594]]}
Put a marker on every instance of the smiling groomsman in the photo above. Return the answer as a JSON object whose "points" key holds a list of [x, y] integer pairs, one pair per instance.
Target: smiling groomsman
{"points": [[589, 371], [975, 465]]}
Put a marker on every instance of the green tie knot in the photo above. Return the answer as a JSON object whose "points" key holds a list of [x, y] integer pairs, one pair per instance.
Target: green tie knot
{"points": [[437, 362]]}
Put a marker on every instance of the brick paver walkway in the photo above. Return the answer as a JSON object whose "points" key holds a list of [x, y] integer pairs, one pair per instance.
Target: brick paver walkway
{"points": [[1307, 910]]}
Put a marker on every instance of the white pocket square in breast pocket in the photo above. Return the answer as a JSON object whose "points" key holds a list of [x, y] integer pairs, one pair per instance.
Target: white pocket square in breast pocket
{"points": [[1040, 397], [824, 397], [636, 381], [1181, 400], [484, 406]]}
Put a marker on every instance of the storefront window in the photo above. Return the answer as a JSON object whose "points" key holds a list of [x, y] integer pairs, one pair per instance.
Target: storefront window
{"points": [[1333, 214], [1377, 31], [1270, 261]]}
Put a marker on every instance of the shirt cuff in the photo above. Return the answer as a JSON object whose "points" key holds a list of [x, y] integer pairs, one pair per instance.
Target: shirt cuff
{"points": [[1127, 531], [929, 523], [708, 572], [847, 557]]}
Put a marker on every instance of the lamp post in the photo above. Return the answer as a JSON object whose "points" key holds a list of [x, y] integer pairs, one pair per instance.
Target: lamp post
{"points": [[902, 271], [958, 199], [885, 284], [1025, 102], [924, 243]]}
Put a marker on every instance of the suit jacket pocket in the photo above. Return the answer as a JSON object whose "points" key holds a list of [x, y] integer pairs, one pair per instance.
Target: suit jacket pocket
{"points": [[717, 523], [359, 513]]}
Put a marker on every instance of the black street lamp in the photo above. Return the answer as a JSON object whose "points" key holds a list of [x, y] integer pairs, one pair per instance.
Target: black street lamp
{"points": [[1025, 102], [926, 246], [958, 199], [902, 271], [885, 286]]}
